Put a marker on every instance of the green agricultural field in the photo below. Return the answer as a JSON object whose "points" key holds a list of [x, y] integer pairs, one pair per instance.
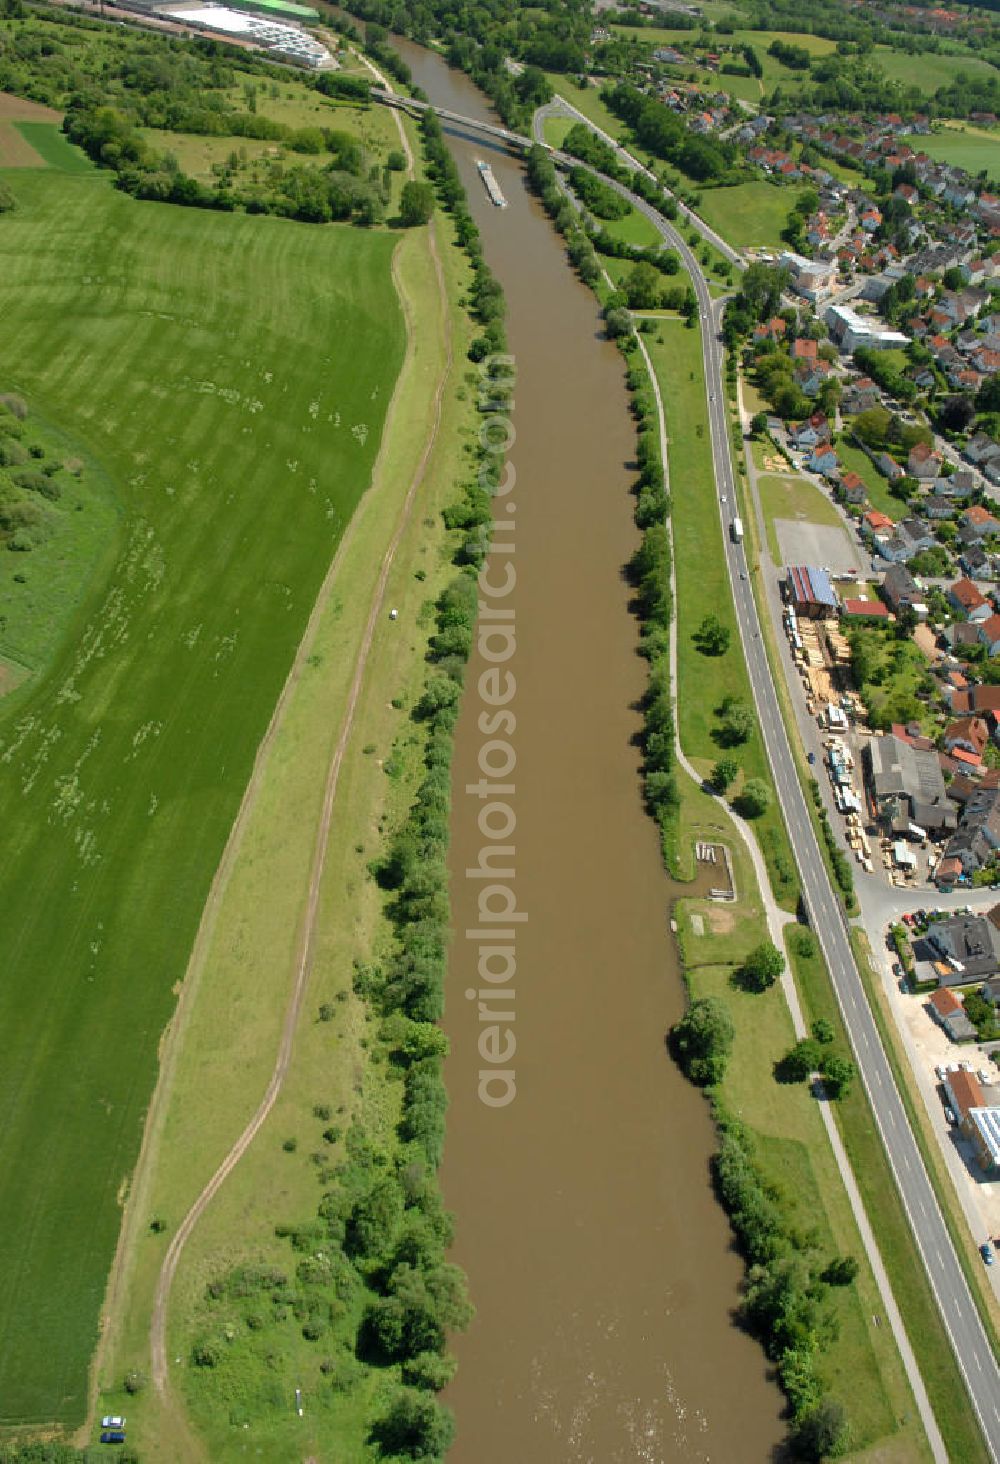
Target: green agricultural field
{"points": [[928, 72], [749, 215], [231, 375], [49, 142], [970, 148]]}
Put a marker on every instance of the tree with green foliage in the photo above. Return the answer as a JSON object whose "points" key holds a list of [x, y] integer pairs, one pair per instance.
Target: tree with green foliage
{"points": [[799, 1062], [755, 798], [618, 323], [838, 1075], [736, 722], [724, 774], [821, 1434], [414, 1426], [841, 1271], [642, 286], [702, 1041], [761, 968], [416, 204], [712, 637]]}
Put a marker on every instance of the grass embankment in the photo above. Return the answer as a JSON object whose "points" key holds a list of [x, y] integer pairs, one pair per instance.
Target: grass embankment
{"points": [[587, 99], [703, 588], [861, 1365], [556, 129], [910, 1286], [237, 1010], [231, 375]]}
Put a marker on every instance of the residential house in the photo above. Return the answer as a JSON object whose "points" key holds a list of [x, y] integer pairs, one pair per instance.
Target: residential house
{"points": [[888, 467], [876, 522], [860, 396], [976, 563], [980, 448], [961, 635], [809, 376], [969, 601], [892, 549], [923, 461], [824, 460], [970, 734], [961, 484], [981, 700], [989, 635], [771, 330], [916, 535], [949, 1013], [804, 349], [852, 490], [899, 589], [935, 507], [969, 947], [980, 521]]}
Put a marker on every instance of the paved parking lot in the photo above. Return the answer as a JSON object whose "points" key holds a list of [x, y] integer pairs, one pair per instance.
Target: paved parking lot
{"points": [[821, 544], [930, 1047]]}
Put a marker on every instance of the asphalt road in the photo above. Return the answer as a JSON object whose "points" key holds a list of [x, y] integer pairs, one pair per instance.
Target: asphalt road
{"points": [[958, 1310]]}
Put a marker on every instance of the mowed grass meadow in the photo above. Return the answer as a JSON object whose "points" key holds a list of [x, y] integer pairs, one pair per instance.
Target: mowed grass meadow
{"points": [[231, 375]]}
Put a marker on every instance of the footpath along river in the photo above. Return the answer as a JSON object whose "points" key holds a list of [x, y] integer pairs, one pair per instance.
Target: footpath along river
{"points": [[599, 1262]]}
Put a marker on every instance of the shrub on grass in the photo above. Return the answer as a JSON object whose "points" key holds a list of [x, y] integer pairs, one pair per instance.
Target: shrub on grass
{"points": [[761, 968], [755, 798], [702, 1040], [413, 1426]]}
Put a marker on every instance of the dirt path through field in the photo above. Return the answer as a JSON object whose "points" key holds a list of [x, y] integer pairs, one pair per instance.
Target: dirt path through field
{"points": [[306, 941]]}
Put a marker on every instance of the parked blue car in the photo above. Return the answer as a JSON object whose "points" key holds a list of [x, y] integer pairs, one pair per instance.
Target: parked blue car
{"points": [[113, 1436]]}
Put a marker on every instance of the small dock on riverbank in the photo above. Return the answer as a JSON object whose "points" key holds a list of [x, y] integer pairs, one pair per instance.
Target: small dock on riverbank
{"points": [[490, 184]]}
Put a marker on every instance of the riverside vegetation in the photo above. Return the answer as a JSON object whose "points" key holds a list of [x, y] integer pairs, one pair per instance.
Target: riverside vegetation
{"points": [[367, 1280]]}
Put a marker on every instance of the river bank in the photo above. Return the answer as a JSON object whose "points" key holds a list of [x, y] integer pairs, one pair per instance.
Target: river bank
{"points": [[598, 1260]]}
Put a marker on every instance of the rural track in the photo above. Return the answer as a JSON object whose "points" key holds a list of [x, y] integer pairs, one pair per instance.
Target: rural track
{"points": [[306, 940]]}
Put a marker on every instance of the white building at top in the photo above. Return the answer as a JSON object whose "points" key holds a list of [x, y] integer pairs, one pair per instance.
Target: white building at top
{"points": [[851, 330]]}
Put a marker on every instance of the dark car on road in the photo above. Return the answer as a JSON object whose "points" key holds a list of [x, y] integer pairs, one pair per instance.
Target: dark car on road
{"points": [[986, 1251]]}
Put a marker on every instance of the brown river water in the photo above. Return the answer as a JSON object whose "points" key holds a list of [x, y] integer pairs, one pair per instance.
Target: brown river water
{"points": [[577, 1164]]}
